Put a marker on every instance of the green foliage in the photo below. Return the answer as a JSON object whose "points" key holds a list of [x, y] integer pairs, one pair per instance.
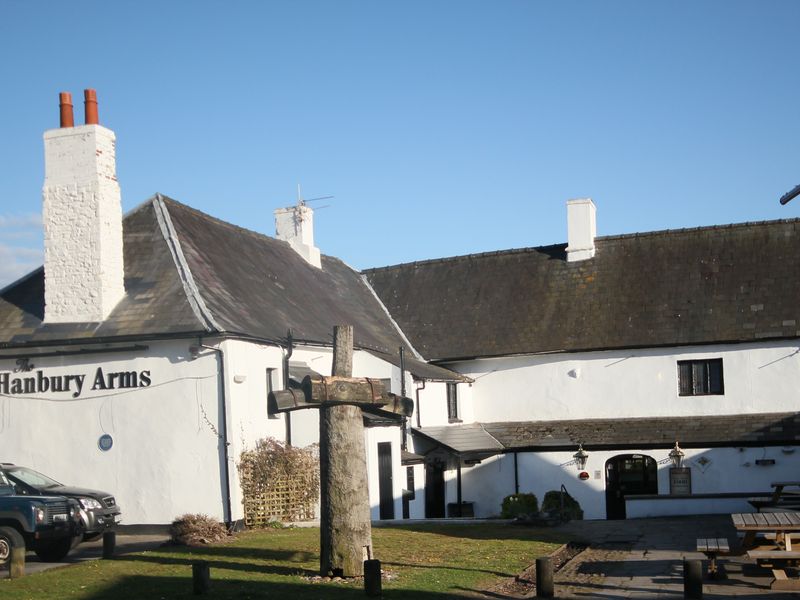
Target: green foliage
{"points": [[552, 504], [196, 529], [519, 505]]}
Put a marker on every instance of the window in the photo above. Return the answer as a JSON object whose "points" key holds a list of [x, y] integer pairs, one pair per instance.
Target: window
{"points": [[452, 402], [700, 377]]}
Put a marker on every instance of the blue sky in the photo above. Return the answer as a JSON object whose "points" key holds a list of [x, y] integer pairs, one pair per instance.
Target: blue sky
{"points": [[441, 127]]}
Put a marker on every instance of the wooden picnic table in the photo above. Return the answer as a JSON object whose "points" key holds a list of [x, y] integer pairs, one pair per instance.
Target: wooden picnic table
{"points": [[777, 525], [781, 498], [778, 487]]}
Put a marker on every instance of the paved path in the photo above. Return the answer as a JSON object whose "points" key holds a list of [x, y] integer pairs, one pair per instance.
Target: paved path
{"points": [[94, 550], [643, 558]]}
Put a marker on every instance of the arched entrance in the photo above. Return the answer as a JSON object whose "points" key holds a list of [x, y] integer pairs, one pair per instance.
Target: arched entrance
{"points": [[628, 474]]}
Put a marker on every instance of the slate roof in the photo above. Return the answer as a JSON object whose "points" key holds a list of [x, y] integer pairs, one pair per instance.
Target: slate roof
{"points": [[730, 283], [470, 437], [189, 273], [707, 431]]}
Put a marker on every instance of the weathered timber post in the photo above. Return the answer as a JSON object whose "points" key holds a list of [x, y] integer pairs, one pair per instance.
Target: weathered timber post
{"points": [[201, 577], [345, 527], [544, 577], [372, 578], [16, 563], [693, 579], [109, 543]]}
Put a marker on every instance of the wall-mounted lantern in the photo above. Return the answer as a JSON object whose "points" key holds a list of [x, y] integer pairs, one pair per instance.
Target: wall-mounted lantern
{"points": [[580, 457], [676, 456]]}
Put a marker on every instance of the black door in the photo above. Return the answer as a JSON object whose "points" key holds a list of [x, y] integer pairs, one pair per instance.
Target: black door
{"points": [[385, 480], [628, 474], [434, 490]]}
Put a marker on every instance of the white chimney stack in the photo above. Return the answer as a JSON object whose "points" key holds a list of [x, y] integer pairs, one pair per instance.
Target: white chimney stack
{"points": [[581, 229], [82, 214], [295, 224]]}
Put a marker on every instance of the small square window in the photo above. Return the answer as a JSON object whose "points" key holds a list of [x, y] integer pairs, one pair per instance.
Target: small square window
{"points": [[700, 377]]}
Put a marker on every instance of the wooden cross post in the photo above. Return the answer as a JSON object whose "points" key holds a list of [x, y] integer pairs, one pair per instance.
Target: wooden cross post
{"points": [[345, 526]]}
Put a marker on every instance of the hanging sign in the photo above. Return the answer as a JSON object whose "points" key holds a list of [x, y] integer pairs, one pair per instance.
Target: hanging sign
{"points": [[680, 481]]}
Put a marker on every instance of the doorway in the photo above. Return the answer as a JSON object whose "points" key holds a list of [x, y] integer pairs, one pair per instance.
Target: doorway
{"points": [[628, 474], [385, 490], [434, 490]]}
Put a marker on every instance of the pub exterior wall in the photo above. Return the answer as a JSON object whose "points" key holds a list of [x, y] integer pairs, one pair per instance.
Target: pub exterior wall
{"points": [[166, 457], [713, 471], [758, 378]]}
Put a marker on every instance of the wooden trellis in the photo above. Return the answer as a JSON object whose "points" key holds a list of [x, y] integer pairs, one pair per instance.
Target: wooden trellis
{"points": [[279, 483]]}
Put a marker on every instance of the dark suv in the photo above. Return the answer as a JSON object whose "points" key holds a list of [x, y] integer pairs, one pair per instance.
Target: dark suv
{"points": [[98, 510]]}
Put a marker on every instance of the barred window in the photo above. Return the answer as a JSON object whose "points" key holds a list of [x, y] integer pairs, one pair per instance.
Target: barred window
{"points": [[700, 377]]}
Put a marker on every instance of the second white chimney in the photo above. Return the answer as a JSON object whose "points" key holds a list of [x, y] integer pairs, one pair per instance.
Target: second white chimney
{"points": [[295, 224], [581, 229], [82, 214]]}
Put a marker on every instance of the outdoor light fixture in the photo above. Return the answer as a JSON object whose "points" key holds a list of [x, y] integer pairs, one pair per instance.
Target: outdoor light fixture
{"points": [[793, 193], [580, 457], [676, 455]]}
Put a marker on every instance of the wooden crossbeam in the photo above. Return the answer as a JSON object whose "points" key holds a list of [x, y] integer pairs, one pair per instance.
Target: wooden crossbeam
{"points": [[358, 391]]}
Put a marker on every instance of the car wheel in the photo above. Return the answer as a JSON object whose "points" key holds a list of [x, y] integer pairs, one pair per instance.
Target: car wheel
{"points": [[10, 538], [54, 551]]}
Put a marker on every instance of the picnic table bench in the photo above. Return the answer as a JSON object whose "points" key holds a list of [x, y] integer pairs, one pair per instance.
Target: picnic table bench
{"points": [[713, 547], [779, 527]]}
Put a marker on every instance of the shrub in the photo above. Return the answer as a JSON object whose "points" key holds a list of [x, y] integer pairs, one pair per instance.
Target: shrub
{"points": [[552, 504], [194, 530], [518, 505]]}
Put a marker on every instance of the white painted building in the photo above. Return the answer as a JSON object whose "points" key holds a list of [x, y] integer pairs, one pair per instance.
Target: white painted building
{"points": [[624, 344], [140, 357]]}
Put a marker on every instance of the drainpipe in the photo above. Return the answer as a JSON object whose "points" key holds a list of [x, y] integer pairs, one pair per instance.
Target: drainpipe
{"points": [[458, 485], [419, 387], [516, 474], [404, 438], [225, 443], [287, 354]]}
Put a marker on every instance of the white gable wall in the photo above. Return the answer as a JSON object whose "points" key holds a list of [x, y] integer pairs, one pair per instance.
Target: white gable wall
{"points": [[165, 458]]}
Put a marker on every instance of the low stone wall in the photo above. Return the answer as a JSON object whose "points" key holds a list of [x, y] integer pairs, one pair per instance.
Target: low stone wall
{"points": [[637, 507]]}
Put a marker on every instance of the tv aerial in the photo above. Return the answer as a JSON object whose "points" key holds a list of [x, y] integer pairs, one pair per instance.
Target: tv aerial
{"points": [[303, 201]]}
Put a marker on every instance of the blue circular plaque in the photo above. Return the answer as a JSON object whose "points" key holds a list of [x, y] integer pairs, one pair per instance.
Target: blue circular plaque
{"points": [[105, 442]]}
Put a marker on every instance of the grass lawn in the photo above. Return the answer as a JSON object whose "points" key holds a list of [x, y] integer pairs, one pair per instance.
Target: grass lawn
{"points": [[423, 561]]}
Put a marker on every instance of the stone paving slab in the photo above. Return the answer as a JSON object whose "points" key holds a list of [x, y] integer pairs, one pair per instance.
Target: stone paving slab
{"points": [[643, 558]]}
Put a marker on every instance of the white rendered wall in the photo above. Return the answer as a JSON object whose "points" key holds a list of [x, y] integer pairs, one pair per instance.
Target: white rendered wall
{"points": [[758, 377], [376, 435], [82, 225], [433, 404], [714, 470], [166, 457], [246, 365]]}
